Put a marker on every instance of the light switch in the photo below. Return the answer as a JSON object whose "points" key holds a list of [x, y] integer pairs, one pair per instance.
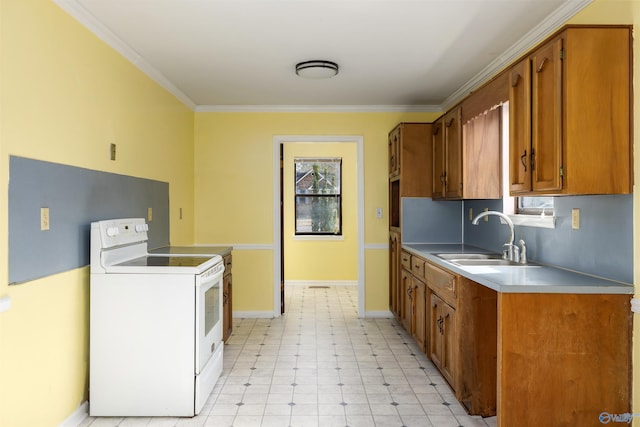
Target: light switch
{"points": [[378, 213], [44, 219], [575, 218]]}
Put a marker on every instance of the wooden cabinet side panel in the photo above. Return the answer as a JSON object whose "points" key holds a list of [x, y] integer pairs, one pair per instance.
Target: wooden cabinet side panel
{"points": [[563, 359], [598, 111], [478, 335], [481, 167], [394, 273]]}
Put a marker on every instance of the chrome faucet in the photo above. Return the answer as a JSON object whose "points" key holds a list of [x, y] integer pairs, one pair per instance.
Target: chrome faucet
{"points": [[512, 252]]}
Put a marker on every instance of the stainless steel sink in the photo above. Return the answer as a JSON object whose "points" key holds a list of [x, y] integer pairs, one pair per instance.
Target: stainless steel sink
{"points": [[478, 259], [487, 262], [465, 256]]}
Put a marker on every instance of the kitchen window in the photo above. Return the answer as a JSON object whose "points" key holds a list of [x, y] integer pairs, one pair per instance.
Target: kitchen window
{"points": [[318, 196]]}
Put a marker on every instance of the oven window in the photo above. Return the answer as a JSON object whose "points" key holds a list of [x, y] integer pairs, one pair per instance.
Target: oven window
{"points": [[211, 308]]}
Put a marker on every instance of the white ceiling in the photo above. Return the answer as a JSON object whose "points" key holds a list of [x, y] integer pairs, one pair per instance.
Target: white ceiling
{"points": [[411, 55]]}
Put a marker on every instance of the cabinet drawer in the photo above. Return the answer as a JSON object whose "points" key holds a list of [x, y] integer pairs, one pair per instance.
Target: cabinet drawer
{"points": [[405, 260], [442, 283], [417, 266]]}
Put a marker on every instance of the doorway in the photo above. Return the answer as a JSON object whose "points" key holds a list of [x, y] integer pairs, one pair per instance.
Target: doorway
{"points": [[278, 143]]}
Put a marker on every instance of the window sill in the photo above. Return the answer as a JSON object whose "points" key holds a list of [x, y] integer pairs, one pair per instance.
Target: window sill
{"points": [[534, 221], [318, 237]]}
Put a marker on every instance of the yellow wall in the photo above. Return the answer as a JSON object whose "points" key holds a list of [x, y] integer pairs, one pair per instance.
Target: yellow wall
{"points": [[64, 96], [234, 161], [319, 259]]}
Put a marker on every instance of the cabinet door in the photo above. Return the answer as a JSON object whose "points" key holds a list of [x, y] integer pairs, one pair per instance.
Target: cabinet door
{"points": [[435, 330], [406, 284], [394, 273], [453, 154], [438, 160], [419, 312], [449, 350], [394, 151], [546, 94], [520, 127]]}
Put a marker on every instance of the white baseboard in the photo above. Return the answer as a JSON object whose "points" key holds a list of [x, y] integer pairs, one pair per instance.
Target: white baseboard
{"points": [[321, 283], [253, 314], [385, 314], [76, 416]]}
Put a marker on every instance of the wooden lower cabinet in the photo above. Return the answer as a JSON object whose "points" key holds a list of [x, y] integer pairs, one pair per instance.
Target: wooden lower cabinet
{"points": [[530, 359], [563, 359]]}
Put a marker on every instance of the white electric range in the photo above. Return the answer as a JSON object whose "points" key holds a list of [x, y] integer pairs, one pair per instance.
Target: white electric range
{"points": [[156, 325]]}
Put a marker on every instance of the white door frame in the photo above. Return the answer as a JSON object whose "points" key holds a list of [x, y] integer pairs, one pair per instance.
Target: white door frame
{"points": [[277, 246]]}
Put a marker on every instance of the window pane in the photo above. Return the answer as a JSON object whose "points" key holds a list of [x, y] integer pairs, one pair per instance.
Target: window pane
{"points": [[318, 215], [318, 176], [535, 205]]}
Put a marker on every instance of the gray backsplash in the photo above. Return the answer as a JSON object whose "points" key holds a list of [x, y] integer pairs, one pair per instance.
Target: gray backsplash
{"points": [[426, 221], [603, 246]]}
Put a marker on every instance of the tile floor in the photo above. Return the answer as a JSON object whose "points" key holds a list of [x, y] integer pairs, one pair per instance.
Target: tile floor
{"points": [[322, 366]]}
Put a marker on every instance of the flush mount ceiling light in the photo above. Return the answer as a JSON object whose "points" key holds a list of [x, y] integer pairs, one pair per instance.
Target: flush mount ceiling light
{"points": [[317, 69]]}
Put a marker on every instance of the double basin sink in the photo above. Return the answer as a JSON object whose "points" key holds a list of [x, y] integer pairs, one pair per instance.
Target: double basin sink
{"points": [[478, 259]]}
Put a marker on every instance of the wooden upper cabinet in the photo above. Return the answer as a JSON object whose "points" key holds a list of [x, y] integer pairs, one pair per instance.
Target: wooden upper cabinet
{"points": [[578, 96], [466, 159], [447, 156]]}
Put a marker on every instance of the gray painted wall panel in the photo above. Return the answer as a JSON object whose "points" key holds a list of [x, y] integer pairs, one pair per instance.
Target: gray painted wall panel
{"points": [[426, 221], [75, 197], [603, 246]]}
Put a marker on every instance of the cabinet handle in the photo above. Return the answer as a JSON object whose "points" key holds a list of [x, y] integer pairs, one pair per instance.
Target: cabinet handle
{"points": [[515, 81], [440, 322], [544, 61], [524, 155], [450, 123]]}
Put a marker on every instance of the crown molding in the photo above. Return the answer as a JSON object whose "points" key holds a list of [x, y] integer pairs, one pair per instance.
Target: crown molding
{"points": [[536, 35], [83, 16], [317, 108]]}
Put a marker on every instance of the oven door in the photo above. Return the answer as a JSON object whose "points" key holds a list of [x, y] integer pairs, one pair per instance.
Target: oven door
{"points": [[208, 314]]}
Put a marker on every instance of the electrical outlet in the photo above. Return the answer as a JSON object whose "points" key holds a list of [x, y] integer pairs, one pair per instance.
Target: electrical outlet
{"points": [[180, 213], [44, 219], [113, 151], [378, 213], [575, 218], [150, 214]]}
